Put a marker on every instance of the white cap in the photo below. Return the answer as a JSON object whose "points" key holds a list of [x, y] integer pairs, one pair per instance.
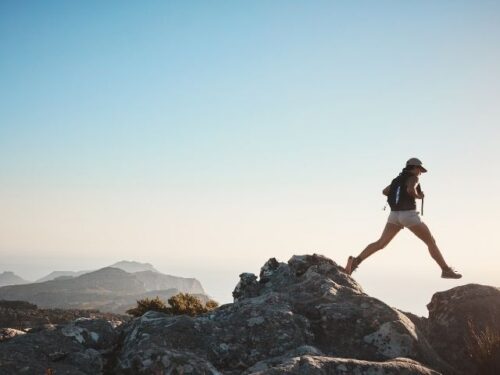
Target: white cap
{"points": [[415, 162]]}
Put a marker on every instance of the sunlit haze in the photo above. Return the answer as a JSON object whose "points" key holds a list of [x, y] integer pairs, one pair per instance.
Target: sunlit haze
{"points": [[207, 137]]}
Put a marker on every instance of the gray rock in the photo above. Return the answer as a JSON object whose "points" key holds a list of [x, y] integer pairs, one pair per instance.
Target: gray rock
{"points": [[275, 361], [230, 339], [247, 287], [321, 365], [268, 269], [166, 361], [8, 333], [307, 302], [77, 348], [306, 316], [453, 313]]}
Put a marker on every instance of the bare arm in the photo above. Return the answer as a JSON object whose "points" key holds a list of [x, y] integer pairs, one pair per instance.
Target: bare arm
{"points": [[386, 190], [411, 187]]}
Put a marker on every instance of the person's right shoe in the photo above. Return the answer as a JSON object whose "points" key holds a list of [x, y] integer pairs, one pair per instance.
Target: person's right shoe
{"points": [[450, 273], [352, 264]]}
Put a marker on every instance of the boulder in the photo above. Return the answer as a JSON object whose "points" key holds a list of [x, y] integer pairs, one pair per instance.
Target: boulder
{"points": [[321, 365], [76, 348], [308, 302], [455, 316], [231, 338], [8, 333]]}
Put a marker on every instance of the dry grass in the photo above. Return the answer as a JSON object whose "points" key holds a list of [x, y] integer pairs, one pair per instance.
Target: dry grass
{"points": [[483, 347], [148, 304]]}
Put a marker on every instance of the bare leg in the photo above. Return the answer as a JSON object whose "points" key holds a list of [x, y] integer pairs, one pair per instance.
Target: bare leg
{"points": [[422, 231], [388, 234]]}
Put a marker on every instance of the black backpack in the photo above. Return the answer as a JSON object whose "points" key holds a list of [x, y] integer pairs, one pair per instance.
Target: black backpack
{"points": [[398, 198], [394, 196]]}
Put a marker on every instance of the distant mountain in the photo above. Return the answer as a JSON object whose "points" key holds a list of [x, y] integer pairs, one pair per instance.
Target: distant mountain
{"points": [[10, 278], [108, 289], [57, 274], [125, 265], [158, 281], [131, 266]]}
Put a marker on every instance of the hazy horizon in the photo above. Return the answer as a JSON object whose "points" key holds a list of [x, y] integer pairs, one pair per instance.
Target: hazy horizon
{"points": [[207, 138]]}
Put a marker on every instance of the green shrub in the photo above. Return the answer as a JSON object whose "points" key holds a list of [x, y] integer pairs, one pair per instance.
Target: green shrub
{"points": [[484, 349], [147, 304], [211, 304], [182, 303], [185, 303]]}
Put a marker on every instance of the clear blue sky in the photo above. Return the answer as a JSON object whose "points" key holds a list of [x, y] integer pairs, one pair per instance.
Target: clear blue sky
{"points": [[206, 137]]}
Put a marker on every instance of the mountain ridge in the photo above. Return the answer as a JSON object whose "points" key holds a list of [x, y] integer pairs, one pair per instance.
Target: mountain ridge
{"points": [[108, 289], [130, 266], [10, 278]]}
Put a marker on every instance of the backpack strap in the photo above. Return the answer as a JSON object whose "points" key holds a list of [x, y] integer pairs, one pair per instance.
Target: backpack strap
{"points": [[419, 190]]}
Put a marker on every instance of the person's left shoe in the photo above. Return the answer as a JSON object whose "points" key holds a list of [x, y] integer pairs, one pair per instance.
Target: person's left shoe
{"points": [[450, 273], [352, 264]]}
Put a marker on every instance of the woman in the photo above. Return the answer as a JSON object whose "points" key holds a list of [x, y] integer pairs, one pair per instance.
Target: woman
{"points": [[401, 195]]}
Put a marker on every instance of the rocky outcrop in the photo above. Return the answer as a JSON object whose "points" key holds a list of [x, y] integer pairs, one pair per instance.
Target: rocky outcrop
{"points": [[308, 302], [321, 365], [81, 347], [457, 314], [305, 316]]}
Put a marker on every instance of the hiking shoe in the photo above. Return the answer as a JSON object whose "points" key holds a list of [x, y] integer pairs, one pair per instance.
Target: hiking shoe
{"points": [[450, 273], [352, 264]]}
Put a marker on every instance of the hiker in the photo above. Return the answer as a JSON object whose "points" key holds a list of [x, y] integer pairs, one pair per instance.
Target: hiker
{"points": [[401, 195]]}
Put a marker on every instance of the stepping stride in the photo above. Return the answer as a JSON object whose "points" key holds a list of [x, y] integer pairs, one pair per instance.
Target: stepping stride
{"points": [[401, 197]]}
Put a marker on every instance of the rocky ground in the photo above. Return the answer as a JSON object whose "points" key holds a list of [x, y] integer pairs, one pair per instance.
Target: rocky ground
{"points": [[23, 316], [305, 316]]}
